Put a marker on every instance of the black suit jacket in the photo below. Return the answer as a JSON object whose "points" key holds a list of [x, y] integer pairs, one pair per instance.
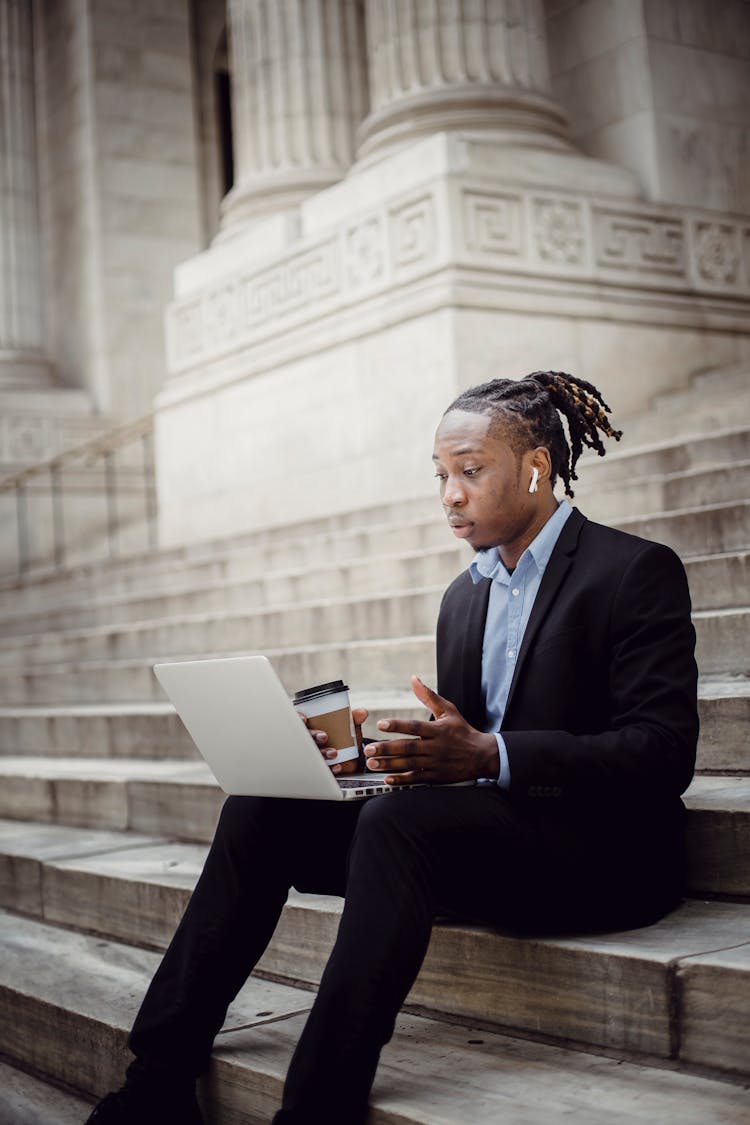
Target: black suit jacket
{"points": [[601, 720]]}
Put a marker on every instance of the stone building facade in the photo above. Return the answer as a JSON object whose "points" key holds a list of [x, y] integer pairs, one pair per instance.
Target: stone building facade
{"points": [[296, 228]]}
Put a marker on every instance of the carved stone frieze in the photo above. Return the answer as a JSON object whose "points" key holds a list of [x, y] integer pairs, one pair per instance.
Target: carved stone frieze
{"points": [[717, 252], [26, 439], [639, 242], [555, 236], [365, 252], [412, 231], [559, 233], [493, 223]]}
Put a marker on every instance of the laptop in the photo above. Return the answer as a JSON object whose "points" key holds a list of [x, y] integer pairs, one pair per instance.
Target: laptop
{"points": [[240, 717]]}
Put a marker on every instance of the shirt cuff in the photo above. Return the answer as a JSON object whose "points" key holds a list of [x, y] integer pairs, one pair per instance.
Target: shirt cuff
{"points": [[503, 777]]}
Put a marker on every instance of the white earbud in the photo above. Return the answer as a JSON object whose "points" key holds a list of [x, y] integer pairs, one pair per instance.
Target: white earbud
{"points": [[534, 479]]}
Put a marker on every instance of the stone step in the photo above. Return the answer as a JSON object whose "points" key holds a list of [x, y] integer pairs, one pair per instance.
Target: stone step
{"points": [[338, 620], [387, 664], [724, 706], [671, 455], [206, 561], [152, 730], [617, 500], [383, 663], [353, 578], [722, 646], [140, 730], [182, 800], [705, 530], [714, 400], [25, 1100], [716, 581], [68, 1001], [612, 991]]}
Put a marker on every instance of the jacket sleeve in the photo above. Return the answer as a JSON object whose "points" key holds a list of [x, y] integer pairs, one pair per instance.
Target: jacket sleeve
{"points": [[650, 744]]}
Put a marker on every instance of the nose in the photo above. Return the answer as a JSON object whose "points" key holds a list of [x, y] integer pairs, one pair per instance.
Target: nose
{"points": [[453, 493]]}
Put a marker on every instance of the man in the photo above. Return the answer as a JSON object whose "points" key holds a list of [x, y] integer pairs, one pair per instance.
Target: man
{"points": [[566, 693]]}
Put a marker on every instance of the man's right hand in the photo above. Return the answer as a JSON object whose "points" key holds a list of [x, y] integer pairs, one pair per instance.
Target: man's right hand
{"points": [[320, 738]]}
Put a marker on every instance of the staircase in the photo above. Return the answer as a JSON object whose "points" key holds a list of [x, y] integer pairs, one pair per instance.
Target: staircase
{"points": [[107, 810]]}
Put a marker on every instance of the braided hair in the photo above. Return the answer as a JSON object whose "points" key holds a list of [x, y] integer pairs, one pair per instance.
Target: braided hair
{"points": [[536, 403]]}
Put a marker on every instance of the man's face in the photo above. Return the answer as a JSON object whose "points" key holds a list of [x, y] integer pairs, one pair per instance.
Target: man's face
{"points": [[483, 484]]}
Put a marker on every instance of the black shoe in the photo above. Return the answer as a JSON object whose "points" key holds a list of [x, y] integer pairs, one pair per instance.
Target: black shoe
{"points": [[139, 1106]]}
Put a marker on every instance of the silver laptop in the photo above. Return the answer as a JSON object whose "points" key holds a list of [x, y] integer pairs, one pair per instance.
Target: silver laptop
{"points": [[242, 720]]}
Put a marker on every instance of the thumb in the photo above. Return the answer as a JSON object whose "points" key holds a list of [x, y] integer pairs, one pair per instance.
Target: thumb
{"points": [[431, 700]]}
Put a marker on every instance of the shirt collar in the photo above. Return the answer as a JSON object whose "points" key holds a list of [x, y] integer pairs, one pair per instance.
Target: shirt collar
{"points": [[488, 564]]}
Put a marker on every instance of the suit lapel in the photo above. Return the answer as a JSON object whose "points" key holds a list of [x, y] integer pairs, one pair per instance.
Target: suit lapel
{"points": [[471, 653], [557, 568]]}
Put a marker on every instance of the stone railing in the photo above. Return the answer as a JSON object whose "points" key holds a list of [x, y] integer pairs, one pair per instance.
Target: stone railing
{"points": [[95, 501]]}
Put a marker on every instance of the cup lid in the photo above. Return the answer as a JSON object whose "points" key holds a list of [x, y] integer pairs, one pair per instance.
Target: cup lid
{"points": [[330, 688]]}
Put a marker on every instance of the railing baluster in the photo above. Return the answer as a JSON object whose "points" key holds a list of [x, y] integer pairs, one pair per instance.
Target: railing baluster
{"points": [[111, 490], [150, 488], [58, 521], [22, 517], [100, 449]]}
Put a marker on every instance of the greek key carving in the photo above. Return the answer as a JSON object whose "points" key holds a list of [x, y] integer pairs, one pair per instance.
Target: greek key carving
{"points": [[639, 242], [558, 231], [492, 223], [306, 277], [717, 252], [412, 230]]}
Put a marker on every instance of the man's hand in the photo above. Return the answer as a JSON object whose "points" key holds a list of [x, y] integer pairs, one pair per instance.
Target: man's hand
{"points": [[447, 750], [359, 714]]}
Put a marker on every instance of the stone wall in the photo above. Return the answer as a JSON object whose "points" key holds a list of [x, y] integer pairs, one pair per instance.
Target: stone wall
{"points": [[661, 86], [119, 187]]}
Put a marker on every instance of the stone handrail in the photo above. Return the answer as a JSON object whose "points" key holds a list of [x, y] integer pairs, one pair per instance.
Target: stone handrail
{"points": [[100, 449]]}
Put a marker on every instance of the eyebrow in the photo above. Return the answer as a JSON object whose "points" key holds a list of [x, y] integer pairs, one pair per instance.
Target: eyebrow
{"points": [[459, 452]]}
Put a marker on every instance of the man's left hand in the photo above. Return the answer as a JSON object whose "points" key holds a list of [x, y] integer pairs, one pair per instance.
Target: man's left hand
{"points": [[444, 751]]}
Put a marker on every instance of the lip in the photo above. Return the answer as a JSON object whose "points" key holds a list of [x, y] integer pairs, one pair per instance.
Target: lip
{"points": [[460, 528]]}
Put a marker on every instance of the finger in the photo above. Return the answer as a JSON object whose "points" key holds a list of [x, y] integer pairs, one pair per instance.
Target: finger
{"points": [[410, 777], [303, 716], [394, 748], [416, 727], [431, 700], [399, 763], [318, 736], [360, 715]]}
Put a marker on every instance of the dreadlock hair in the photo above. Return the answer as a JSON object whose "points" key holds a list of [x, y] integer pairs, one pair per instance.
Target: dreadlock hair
{"points": [[537, 402]]}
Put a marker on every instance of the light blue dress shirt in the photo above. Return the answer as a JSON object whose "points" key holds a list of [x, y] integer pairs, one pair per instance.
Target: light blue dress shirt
{"points": [[508, 611]]}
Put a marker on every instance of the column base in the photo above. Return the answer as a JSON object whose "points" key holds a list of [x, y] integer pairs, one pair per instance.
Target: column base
{"points": [[25, 371], [282, 191], [507, 115]]}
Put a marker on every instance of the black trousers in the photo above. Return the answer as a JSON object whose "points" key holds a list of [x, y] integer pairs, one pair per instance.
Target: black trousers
{"points": [[399, 861]]}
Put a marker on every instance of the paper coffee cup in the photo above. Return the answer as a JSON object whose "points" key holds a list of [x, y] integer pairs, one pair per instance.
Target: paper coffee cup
{"points": [[327, 707]]}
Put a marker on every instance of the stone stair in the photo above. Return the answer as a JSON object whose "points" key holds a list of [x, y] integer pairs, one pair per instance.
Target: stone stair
{"points": [[106, 811]]}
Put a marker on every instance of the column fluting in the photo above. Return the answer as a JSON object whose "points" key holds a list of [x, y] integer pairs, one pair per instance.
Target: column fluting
{"points": [[299, 91], [438, 65], [22, 360]]}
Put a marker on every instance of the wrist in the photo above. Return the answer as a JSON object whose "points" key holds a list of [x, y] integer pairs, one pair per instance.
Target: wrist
{"points": [[488, 756]]}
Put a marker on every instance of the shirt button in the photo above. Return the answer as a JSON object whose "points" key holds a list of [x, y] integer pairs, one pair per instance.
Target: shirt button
{"points": [[511, 653], [516, 592]]}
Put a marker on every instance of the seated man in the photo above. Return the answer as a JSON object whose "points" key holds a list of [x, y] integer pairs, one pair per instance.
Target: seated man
{"points": [[566, 692]]}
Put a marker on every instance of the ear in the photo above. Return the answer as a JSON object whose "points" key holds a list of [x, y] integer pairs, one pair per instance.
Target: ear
{"points": [[540, 460]]}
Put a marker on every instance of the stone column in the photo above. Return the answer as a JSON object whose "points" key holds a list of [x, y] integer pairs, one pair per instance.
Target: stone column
{"points": [[22, 362], [299, 91], [459, 64]]}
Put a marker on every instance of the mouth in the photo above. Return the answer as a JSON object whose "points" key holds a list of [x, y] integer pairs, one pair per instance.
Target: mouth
{"points": [[460, 527]]}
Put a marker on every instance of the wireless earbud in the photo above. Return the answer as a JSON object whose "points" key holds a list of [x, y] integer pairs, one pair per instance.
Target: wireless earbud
{"points": [[534, 479]]}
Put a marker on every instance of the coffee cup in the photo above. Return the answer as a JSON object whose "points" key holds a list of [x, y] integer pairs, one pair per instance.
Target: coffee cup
{"points": [[326, 706]]}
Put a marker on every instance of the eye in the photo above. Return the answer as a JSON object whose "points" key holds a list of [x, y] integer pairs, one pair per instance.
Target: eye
{"points": [[470, 472], [441, 476]]}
